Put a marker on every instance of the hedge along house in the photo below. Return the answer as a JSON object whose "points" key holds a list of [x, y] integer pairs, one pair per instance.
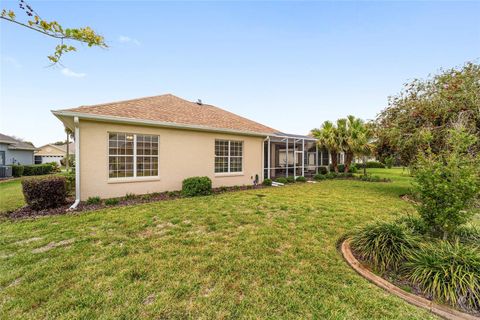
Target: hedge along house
{"points": [[151, 144]]}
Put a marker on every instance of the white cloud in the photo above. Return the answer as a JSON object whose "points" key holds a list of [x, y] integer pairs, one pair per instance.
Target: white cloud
{"points": [[125, 39], [11, 61], [69, 73]]}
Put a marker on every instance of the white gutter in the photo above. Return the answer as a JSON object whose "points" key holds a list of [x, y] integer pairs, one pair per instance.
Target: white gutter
{"points": [[77, 164]]}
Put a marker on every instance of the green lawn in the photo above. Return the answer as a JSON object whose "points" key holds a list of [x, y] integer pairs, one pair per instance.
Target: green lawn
{"points": [[11, 197], [235, 255]]}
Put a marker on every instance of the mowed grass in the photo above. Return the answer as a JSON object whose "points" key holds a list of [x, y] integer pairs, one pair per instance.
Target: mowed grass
{"points": [[11, 196], [263, 254]]}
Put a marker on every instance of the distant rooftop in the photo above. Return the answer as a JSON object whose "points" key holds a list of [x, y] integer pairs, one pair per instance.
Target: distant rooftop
{"points": [[14, 143]]}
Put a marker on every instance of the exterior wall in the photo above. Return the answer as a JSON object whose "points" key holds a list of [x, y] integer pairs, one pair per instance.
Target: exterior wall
{"points": [[47, 159], [50, 151], [24, 157], [182, 154]]}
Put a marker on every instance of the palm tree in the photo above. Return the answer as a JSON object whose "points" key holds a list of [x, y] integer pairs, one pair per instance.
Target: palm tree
{"points": [[327, 136], [356, 140]]}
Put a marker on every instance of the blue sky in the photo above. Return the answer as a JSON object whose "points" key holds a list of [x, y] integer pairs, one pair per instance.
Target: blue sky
{"points": [[289, 65]]}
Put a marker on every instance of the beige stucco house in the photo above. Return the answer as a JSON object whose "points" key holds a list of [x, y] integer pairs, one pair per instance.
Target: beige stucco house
{"points": [[53, 153], [151, 144]]}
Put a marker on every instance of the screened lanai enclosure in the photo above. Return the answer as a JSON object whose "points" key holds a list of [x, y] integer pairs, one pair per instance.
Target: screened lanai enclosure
{"points": [[293, 155]]}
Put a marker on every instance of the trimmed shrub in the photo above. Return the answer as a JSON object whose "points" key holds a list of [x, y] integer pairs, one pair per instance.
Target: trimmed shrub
{"points": [[371, 164], [301, 179], [196, 186], [44, 193], [94, 200], [447, 272], [331, 175], [17, 170], [112, 202], [281, 180], [37, 169], [267, 182], [384, 245], [290, 179], [319, 177], [375, 164], [322, 170]]}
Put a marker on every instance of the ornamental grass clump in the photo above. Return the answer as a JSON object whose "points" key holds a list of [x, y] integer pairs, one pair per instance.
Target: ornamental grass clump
{"points": [[446, 271], [384, 245]]}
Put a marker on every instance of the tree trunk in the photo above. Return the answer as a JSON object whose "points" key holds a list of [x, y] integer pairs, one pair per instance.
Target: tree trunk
{"points": [[364, 165], [67, 160], [334, 157], [348, 161]]}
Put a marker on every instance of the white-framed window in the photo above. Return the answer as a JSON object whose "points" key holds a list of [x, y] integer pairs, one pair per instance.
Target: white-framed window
{"points": [[132, 155], [228, 156]]}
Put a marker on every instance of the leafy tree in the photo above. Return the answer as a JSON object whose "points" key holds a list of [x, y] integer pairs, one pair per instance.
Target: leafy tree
{"points": [[448, 182], [421, 116], [55, 30]]}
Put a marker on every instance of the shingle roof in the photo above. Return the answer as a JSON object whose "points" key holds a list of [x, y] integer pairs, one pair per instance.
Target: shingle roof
{"points": [[15, 143], [62, 149], [171, 109]]}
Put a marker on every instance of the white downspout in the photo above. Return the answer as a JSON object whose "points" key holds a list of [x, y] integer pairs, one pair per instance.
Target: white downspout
{"points": [[286, 157], [303, 157], [268, 156], [77, 164]]}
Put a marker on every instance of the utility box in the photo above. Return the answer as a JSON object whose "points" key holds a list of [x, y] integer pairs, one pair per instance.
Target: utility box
{"points": [[5, 171]]}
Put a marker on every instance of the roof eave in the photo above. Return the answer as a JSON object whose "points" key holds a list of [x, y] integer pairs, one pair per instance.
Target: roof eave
{"points": [[22, 148], [61, 114]]}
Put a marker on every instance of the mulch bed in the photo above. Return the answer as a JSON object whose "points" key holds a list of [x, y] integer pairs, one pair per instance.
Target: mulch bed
{"points": [[27, 212], [406, 285]]}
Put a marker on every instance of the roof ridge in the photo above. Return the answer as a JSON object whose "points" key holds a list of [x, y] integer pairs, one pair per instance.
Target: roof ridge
{"points": [[172, 109], [237, 115], [122, 101]]}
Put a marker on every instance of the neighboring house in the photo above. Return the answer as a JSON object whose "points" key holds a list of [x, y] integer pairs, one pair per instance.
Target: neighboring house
{"points": [[367, 159], [151, 144], [14, 151], [53, 153]]}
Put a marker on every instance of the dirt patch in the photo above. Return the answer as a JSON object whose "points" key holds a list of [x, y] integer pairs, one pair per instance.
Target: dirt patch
{"points": [[15, 282], [53, 245], [157, 230], [149, 300], [409, 198], [26, 241]]}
